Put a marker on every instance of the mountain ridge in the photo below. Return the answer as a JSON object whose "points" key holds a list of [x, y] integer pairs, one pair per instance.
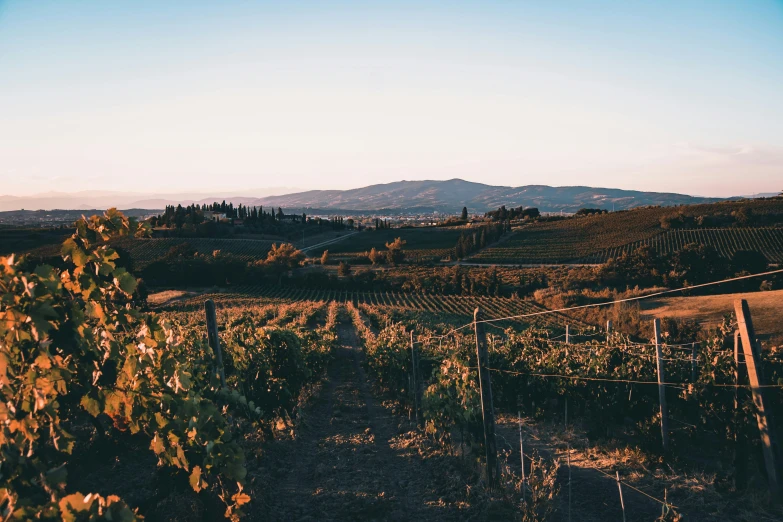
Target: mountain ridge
{"points": [[451, 195], [445, 196]]}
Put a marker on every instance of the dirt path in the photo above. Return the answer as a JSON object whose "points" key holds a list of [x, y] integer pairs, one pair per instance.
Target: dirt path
{"points": [[354, 460]]}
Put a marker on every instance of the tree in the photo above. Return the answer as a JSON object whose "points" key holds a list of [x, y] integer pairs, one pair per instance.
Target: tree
{"points": [[749, 261], [343, 269], [284, 257], [375, 256], [395, 253], [464, 216]]}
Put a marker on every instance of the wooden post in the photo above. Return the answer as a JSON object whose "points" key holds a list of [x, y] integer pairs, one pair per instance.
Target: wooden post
{"points": [[418, 388], [740, 446], [522, 459], [694, 361], [661, 387], [620, 489], [568, 334], [488, 413], [415, 380], [214, 339], [568, 448], [763, 417], [609, 327]]}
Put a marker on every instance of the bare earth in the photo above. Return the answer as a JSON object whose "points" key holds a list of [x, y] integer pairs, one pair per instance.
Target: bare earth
{"points": [[353, 459]]}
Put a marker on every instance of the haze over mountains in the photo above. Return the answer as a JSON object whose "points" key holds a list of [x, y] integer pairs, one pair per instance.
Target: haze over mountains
{"points": [[92, 199], [447, 196]]}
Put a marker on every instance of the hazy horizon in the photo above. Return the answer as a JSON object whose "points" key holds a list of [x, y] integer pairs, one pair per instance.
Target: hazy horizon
{"points": [[225, 98]]}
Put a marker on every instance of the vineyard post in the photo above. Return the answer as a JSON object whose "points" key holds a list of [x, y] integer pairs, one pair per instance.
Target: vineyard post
{"points": [[694, 361], [418, 388], [661, 387], [414, 380], [214, 340], [740, 447], [620, 488], [752, 354], [487, 411], [568, 449], [568, 334], [522, 458]]}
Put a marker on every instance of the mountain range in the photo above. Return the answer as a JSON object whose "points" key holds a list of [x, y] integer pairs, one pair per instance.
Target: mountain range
{"points": [[451, 195], [92, 199], [447, 196]]}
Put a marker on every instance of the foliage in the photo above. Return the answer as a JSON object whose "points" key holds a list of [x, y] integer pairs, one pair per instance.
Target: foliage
{"points": [[541, 490], [395, 254], [73, 348], [284, 257]]}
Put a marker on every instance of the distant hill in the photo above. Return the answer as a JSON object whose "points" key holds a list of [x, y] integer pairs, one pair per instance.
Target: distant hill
{"points": [[90, 199], [412, 196], [451, 195]]}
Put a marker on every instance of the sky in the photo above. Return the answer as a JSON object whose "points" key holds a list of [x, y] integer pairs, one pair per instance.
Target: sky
{"points": [[143, 96]]}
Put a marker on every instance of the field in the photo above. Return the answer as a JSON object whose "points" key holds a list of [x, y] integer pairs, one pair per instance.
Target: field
{"points": [[595, 239], [709, 310], [767, 240], [443, 307], [422, 241]]}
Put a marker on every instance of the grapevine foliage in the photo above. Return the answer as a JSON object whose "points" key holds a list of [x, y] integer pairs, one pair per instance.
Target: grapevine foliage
{"points": [[74, 352]]}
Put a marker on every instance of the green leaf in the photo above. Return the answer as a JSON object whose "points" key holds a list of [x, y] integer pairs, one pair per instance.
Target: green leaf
{"points": [[92, 406], [124, 280], [57, 476], [75, 252]]}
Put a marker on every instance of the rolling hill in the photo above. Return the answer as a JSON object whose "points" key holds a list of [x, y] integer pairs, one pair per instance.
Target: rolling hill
{"points": [[451, 195], [425, 196]]}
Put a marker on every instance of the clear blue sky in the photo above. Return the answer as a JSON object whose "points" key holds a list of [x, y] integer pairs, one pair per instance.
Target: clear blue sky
{"points": [[170, 96]]}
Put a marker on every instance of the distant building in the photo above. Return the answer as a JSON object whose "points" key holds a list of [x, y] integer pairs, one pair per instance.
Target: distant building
{"points": [[214, 216]]}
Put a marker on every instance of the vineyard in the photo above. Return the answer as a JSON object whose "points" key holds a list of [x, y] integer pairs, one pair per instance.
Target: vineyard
{"points": [[90, 385], [111, 412], [423, 241], [727, 241], [589, 241], [146, 250], [453, 307], [610, 386]]}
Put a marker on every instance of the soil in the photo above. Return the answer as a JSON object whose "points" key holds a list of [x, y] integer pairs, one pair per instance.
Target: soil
{"points": [[355, 459]]}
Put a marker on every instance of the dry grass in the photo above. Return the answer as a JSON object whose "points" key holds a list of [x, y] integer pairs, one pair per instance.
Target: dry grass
{"points": [[167, 296], [766, 309], [696, 493]]}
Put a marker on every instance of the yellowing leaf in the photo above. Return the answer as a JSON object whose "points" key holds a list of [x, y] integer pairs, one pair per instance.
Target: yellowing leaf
{"points": [[241, 498], [195, 479]]}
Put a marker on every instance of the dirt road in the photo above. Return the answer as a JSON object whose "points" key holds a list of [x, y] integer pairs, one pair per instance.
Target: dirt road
{"points": [[355, 460]]}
